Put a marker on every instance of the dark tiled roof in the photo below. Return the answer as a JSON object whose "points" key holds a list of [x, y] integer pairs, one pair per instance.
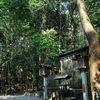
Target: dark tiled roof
{"points": [[75, 51], [62, 77], [45, 65]]}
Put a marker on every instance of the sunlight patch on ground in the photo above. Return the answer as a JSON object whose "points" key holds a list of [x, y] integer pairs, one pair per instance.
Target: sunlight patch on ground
{"points": [[19, 98]]}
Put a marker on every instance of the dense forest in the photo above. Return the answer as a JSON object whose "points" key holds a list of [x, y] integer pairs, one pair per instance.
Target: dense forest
{"points": [[34, 32]]}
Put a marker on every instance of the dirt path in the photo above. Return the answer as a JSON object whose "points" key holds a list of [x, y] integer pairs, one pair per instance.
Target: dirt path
{"points": [[19, 98]]}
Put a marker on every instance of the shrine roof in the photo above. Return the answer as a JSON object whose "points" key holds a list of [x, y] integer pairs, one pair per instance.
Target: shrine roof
{"points": [[62, 77], [75, 51]]}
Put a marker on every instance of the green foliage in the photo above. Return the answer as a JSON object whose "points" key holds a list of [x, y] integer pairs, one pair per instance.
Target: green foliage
{"points": [[94, 11], [33, 32], [49, 33]]}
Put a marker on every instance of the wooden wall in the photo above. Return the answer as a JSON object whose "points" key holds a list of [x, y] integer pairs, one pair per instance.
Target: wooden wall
{"points": [[69, 66]]}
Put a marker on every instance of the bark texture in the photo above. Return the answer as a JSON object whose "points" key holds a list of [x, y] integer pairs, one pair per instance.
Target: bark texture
{"points": [[94, 47]]}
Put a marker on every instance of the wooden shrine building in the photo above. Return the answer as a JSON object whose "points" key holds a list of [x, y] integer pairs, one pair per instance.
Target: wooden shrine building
{"points": [[75, 63]]}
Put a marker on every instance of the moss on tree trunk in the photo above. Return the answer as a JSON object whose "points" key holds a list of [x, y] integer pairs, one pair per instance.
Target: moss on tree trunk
{"points": [[94, 47]]}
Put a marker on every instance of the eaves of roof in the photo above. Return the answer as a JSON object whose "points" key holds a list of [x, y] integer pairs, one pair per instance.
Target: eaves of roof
{"points": [[75, 51]]}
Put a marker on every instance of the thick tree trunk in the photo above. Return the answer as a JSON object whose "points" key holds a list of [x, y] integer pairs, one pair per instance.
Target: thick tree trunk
{"points": [[94, 47]]}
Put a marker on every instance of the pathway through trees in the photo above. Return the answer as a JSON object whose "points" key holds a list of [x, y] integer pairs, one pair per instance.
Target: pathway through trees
{"points": [[19, 98]]}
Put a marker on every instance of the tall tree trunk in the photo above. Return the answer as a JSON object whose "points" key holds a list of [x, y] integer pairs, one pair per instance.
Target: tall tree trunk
{"points": [[94, 47]]}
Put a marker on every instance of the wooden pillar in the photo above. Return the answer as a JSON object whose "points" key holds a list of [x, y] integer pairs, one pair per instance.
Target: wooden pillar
{"points": [[82, 60], [45, 87], [84, 85]]}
